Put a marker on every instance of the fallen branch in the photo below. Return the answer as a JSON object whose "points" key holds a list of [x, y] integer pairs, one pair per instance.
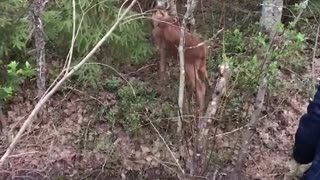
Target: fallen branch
{"points": [[38, 106]]}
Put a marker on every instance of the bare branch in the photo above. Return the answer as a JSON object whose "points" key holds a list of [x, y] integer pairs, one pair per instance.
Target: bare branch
{"points": [[167, 146], [73, 36], [314, 55]]}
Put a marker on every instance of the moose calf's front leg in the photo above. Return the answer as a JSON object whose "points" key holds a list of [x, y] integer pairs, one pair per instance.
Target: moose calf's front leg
{"points": [[162, 65]]}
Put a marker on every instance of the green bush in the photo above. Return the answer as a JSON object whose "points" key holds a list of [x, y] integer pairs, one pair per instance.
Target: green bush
{"points": [[127, 44], [13, 78], [132, 108], [13, 27]]}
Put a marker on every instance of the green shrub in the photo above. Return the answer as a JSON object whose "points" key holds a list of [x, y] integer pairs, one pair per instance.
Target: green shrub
{"points": [[13, 78], [132, 107], [128, 40], [13, 27]]}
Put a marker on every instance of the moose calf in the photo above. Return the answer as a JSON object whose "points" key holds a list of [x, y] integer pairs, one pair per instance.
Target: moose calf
{"points": [[166, 35]]}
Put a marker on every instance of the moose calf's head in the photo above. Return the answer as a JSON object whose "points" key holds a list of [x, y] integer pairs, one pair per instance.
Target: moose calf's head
{"points": [[161, 18]]}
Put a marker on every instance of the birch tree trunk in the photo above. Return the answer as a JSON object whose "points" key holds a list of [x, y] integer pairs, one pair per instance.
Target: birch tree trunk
{"points": [[271, 14], [36, 8]]}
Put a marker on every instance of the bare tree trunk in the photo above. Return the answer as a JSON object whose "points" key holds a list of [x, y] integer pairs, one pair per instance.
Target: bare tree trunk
{"points": [[271, 14], [36, 8], [191, 20], [173, 8]]}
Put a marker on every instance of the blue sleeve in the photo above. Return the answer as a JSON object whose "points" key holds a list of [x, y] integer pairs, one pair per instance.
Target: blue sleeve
{"points": [[308, 133]]}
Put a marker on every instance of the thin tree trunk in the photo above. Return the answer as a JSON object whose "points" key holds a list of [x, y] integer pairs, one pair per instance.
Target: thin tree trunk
{"points": [[187, 16], [3, 123], [36, 8]]}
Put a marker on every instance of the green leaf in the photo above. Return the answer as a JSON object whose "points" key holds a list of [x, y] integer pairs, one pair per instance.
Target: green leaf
{"points": [[300, 37], [8, 90], [12, 67]]}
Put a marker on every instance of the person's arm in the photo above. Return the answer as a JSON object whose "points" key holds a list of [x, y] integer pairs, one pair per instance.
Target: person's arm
{"points": [[308, 133]]}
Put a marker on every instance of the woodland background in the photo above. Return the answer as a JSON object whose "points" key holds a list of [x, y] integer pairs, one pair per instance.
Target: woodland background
{"points": [[109, 121]]}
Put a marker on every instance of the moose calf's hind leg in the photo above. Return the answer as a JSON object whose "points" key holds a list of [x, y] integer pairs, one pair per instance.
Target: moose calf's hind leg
{"points": [[162, 65], [193, 78]]}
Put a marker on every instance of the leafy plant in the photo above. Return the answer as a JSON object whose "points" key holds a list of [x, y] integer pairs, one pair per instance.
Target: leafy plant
{"points": [[112, 84], [14, 77], [234, 42], [89, 75]]}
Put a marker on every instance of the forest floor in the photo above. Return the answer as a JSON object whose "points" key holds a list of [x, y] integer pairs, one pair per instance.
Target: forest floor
{"points": [[74, 142]]}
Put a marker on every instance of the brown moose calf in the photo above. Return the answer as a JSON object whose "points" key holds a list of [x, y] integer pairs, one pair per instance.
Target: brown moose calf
{"points": [[166, 35]]}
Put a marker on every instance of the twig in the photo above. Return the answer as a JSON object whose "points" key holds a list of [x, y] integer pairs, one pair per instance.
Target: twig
{"points": [[227, 133], [206, 41], [167, 146], [73, 36], [64, 67], [38, 106], [300, 13], [91, 97], [119, 13], [140, 69], [314, 55], [23, 154]]}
